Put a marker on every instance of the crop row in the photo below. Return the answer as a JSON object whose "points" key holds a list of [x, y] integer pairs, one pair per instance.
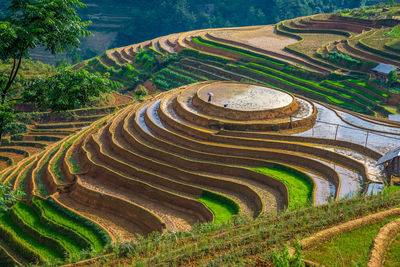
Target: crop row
{"points": [[342, 95], [243, 238], [43, 231]]}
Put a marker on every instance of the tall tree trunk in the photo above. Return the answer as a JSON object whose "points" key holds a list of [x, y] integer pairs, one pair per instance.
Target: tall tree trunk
{"points": [[11, 78], [13, 75]]}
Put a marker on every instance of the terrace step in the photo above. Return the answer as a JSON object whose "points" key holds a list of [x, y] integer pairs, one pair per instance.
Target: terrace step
{"points": [[180, 170], [346, 173], [284, 56], [184, 107], [151, 119], [142, 194]]}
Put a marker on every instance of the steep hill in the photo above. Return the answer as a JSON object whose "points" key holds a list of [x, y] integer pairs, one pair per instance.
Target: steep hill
{"points": [[123, 22], [241, 140]]}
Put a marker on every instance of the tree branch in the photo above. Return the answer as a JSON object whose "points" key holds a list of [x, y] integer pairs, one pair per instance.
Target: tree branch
{"points": [[9, 80], [5, 91]]}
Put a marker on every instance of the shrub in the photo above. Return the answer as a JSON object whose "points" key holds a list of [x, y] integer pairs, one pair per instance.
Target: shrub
{"points": [[141, 91], [343, 60], [282, 258]]}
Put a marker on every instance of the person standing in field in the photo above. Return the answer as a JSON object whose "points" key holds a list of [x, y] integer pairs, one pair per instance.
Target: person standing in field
{"points": [[210, 95]]}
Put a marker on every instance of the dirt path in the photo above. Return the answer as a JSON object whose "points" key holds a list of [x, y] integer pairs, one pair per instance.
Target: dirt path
{"points": [[120, 99], [264, 38], [382, 243], [327, 234]]}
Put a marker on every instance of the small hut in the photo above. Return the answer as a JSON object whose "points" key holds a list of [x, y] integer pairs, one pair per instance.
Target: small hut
{"points": [[391, 165], [382, 70]]}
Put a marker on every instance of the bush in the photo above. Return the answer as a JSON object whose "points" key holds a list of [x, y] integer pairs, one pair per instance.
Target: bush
{"points": [[147, 59], [343, 60], [283, 259], [141, 91]]}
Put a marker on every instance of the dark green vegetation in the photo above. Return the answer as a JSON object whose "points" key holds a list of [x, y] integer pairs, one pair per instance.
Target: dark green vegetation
{"points": [[54, 25], [300, 185], [348, 61], [42, 231], [372, 12], [127, 76], [124, 22], [245, 241], [339, 251]]}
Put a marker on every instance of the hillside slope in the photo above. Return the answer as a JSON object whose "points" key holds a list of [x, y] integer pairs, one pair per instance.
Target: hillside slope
{"points": [[122, 22], [241, 140]]}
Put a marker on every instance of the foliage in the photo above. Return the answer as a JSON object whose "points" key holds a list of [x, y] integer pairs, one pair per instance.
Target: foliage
{"points": [[8, 124], [140, 92], [343, 60], [244, 238], [27, 24], [65, 90], [282, 258], [8, 197], [392, 77], [147, 59], [339, 251]]}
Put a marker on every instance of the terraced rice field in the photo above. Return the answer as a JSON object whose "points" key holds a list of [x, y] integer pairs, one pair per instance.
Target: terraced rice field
{"points": [[176, 159]]}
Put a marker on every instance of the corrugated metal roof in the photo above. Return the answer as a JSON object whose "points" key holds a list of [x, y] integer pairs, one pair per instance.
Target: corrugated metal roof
{"points": [[384, 68], [389, 156], [394, 117]]}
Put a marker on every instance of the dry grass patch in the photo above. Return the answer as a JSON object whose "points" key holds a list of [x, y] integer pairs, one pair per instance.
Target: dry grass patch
{"points": [[313, 41]]}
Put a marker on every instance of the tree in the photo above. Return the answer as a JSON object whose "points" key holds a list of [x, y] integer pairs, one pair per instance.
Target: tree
{"points": [[392, 77], [8, 196], [65, 90], [52, 24]]}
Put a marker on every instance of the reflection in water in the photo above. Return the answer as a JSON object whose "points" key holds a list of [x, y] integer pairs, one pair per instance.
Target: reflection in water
{"points": [[374, 189], [330, 126]]}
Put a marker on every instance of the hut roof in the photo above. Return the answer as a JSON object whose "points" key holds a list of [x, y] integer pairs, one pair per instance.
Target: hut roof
{"points": [[384, 68], [389, 156]]}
